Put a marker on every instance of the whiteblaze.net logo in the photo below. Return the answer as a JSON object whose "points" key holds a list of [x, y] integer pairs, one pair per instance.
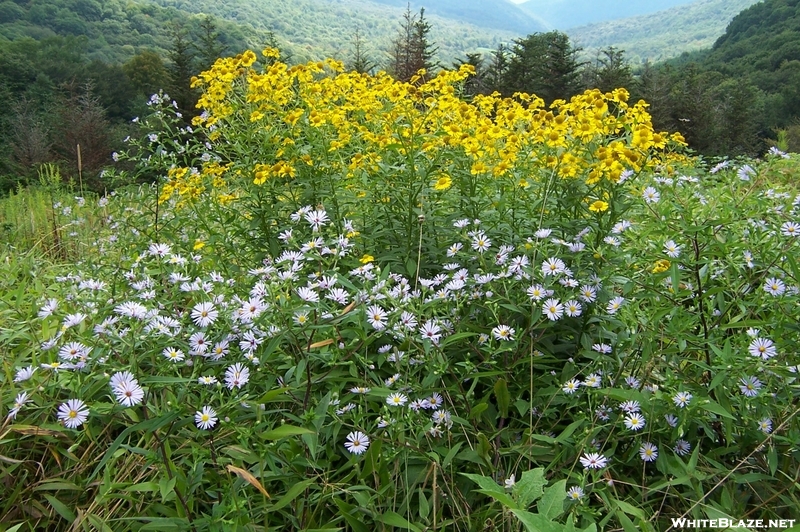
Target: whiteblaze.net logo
{"points": [[725, 523]]}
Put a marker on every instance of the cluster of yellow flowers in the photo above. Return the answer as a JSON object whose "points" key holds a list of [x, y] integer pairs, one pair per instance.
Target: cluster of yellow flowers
{"points": [[316, 119]]}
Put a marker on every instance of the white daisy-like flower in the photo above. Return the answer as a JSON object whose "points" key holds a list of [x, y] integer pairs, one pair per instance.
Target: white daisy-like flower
{"points": [[651, 195], [359, 390], [553, 266], [571, 386], [396, 399], [204, 314], [774, 286], [503, 332], [575, 493], [73, 351], [480, 242], [671, 420], [682, 447], [198, 342], [440, 417], [536, 292], [602, 348], [453, 250], [173, 354], [19, 402], [237, 376], [648, 452], [762, 347], [553, 309], [572, 308], [765, 425], [543, 233], [430, 331], [635, 421], [790, 229], [672, 249], [750, 386], [207, 380], [681, 399], [377, 317], [308, 294], [510, 481], [316, 219], [630, 406], [126, 388], [205, 418], [24, 374], [357, 442], [73, 413], [592, 381], [632, 381], [588, 293], [615, 304], [594, 461], [48, 308]]}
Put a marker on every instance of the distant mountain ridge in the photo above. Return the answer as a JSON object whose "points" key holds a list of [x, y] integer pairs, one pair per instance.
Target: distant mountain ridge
{"points": [[499, 14], [565, 14], [663, 35]]}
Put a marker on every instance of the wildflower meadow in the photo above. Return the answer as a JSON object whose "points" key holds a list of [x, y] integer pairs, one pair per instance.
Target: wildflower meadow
{"points": [[350, 303]]}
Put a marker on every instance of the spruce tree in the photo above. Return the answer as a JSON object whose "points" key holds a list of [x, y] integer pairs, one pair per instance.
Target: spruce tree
{"points": [[181, 70], [411, 50]]}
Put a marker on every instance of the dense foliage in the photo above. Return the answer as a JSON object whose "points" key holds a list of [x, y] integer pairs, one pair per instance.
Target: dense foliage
{"points": [[352, 302]]}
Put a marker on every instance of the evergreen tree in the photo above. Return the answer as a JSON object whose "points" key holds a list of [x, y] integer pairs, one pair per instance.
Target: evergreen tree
{"points": [[411, 51], [609, 71], [497, 72], [181, 70], [544, 64], [359, 60], [209, 48]]}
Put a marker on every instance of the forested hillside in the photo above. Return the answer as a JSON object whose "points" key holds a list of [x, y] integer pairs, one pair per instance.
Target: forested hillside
{"points": [[662, 35], [565, 14]]}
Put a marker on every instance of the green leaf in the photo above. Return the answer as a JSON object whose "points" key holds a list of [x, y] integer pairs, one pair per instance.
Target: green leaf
{"points": [[629, 509], [625, 521], [98, 523], [62, 509], [424, 507], [397, 520], [477, 410], [142, 486], [503, 396], [552, 503], [292, 494], [538, 523], [451, 454], [166, 486], [529, 487], [345, 510], [285, 431], [715, 408], [492, 489]]}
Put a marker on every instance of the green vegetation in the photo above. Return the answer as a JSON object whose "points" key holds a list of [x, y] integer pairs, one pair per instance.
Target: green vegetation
{"points": [[664, 35], [351, 303]]}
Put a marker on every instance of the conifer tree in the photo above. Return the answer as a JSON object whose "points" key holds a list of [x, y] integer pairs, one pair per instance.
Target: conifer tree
{"points": [[209, 47], [359, 60], [544, 64], [181, 70], [411, 51]]}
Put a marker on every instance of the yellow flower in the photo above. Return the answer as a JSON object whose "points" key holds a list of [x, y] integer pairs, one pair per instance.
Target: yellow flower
{"points": [[366, 259], [599, 206], [443, 183], [198, 244], [661, 266]]}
